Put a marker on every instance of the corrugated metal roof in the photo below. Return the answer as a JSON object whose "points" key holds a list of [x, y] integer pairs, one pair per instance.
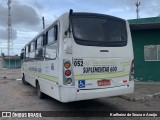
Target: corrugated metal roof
{"points": [[151, 20]]}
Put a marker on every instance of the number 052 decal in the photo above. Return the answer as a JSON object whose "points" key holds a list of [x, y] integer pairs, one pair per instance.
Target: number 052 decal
{"points": [[78, 63]]}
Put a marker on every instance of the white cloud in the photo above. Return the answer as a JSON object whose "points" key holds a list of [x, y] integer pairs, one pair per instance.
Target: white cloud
{"points": [[26, 15], [20, 14]]}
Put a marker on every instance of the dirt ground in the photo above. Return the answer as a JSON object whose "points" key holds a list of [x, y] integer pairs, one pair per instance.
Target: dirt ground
{"points": [[15, 96]]}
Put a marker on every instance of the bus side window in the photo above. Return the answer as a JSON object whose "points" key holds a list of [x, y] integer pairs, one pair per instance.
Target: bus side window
{"points": [[39, 54], [32, 53], [51, 47], [55, 32], [29, 48], [52, 35], [51, 51], [39, 42], [32, 46], [35, 44], [26, 49], [26, 55], [44, 39]]}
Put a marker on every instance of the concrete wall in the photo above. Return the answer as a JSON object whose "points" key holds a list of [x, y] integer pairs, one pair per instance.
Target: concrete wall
{"points": [[0, 63]]}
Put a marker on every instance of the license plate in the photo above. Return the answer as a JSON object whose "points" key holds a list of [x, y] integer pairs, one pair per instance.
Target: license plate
{"points": [[104, 82]]}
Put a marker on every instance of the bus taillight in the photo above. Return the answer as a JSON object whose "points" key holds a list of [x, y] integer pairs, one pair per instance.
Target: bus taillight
{"points": [[68, 75], [68, 80], [67, 72], [67, 65], [132, 71]]}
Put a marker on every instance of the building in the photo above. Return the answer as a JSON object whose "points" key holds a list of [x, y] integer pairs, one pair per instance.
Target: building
{"points": [[0, 62], [146, 44], [10, 62]]}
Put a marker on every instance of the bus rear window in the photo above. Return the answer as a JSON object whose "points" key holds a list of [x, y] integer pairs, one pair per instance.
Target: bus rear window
{"points": [[99, 31]]}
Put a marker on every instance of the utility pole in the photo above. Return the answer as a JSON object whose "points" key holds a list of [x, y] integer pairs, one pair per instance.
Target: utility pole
{"points": [[137, 10], [10, 41], [43, 22]]}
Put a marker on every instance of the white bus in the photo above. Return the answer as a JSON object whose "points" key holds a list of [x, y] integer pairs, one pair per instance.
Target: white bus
{"points": [[80, 56]]}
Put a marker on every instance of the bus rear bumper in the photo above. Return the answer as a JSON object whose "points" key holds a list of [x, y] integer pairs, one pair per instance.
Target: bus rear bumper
{"points": [[71, 94]]}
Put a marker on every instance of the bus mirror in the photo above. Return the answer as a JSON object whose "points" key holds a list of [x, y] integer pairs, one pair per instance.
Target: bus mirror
{"points": [[22, 56], [68, 45]]}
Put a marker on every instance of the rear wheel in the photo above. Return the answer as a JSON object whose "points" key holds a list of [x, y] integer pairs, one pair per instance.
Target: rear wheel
{"points": [[39, 93], [24, 81]]}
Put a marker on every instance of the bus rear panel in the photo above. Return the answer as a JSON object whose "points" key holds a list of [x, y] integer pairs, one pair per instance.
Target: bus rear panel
{"points": [[101, 62]]}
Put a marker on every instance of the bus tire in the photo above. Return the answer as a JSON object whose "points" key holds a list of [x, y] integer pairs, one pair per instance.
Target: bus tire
{"points": [[24, 81], [39, 93]]}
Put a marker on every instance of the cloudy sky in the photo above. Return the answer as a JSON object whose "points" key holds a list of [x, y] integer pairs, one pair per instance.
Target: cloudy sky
{"points": [[26, 15]]}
